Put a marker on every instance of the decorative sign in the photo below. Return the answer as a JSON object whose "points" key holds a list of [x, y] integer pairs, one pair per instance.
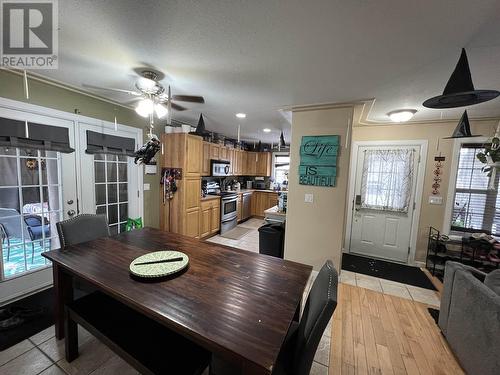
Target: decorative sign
{"points": [[318, 160]]}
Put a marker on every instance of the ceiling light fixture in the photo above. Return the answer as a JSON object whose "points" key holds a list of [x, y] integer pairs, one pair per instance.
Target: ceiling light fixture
{"points": [[241, 115], [146, 107], [401, 115], [266, 130]]}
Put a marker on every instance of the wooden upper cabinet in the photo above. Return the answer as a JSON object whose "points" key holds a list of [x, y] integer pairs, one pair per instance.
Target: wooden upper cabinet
{"points": [[243, 165], [214, 151], [239, 161], [223, 153], [194, 148], [251, 164], [205, 160], [263, 164]]}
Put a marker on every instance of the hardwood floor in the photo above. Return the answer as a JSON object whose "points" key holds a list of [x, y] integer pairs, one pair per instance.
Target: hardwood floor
{"points": [[375, 333]]}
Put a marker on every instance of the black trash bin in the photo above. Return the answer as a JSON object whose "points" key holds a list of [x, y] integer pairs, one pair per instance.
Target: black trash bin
{"points": [[272, 239]]}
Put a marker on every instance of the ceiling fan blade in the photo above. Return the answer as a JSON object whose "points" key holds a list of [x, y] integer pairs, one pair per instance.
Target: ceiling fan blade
{"points": [[177, 107], [189, 98], [129, 92]]}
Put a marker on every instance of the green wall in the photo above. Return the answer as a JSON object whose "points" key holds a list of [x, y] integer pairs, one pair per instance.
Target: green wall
{"points": [[46, 95]]}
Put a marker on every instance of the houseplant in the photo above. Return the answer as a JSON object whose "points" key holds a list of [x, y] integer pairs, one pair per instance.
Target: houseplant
{"points": [[491, 157]]}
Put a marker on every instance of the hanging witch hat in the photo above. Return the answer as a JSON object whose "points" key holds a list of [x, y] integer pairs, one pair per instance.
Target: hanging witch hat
{"points": [[282, 140], [200, 128], [459, 90], [463, 128]]}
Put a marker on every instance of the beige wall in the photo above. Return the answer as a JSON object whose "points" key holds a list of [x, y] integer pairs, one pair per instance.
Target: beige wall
{"points": [[11, 87], [315, 231], [430, 215]]}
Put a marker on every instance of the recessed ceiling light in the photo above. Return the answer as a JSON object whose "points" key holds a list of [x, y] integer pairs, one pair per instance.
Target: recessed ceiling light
{"points": [[401, 115], [241, 115], [266, 130]]}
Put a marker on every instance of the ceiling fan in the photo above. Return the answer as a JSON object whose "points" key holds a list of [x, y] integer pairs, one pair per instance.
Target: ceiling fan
{"points": [[152, 96]]}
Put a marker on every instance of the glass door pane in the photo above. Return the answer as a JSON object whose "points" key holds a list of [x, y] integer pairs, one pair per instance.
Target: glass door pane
{"points": [[30, 206]]}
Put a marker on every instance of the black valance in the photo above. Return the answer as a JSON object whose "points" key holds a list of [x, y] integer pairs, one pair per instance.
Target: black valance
{"points": [[41, 137], [98, 143]]}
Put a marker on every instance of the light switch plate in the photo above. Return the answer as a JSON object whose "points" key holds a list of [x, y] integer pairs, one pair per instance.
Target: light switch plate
{"points": [[435, 200], [308, 198], [147, 187]]}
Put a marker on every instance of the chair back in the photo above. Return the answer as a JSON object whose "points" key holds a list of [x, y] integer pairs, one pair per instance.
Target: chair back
{"points": [[320, 305], [82, 228]]}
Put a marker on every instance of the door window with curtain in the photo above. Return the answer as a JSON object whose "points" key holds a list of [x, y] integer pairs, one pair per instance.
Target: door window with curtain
{"points": [[30, 193], [387, 178], [476, 208]]}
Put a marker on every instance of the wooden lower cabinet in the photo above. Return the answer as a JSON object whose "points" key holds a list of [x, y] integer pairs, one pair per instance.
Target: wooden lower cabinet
{"points": [[261, 201], [209, 217], [192, 228]]}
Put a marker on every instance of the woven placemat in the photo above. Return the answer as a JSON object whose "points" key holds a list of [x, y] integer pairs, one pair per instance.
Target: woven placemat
{"points": [[158, 269]]}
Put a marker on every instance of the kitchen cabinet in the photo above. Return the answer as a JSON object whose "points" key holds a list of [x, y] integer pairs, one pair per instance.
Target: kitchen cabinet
{"points": [[192, 223], [239, 162], [214, 151], [251, 163], [263, 164], [194, 147], [261, 201], [223, 153], [209, 217], [205, 160], [243, 165]]}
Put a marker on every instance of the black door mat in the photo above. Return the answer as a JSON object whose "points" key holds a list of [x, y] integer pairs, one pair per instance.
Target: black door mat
{"points": [[386, 270], [434, 313], [43, 302]]}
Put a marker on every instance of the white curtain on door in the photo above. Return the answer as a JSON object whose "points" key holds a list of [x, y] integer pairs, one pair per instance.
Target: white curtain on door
{"points": [[386, 183]]}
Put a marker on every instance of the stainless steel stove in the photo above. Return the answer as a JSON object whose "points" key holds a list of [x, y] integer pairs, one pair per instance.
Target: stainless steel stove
{"points": [[228, 207]]}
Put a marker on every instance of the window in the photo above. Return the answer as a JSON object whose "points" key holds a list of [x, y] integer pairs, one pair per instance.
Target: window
{"points": [[30, 205], [386, 183], [280, 168], [475, 206], [111, 189]]}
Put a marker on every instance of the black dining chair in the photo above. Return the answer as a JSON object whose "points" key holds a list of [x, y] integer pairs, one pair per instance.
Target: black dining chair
{"points": [[79, 229], [82, 228], [300, 345]]}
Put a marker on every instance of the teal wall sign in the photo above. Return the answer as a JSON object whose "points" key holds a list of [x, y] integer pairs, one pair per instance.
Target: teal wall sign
{"points": [[318, 160]]}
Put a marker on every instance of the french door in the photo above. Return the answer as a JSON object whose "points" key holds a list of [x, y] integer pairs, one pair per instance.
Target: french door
{"points": [[39, 188]]}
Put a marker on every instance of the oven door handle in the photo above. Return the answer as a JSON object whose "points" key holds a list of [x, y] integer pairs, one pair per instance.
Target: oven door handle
{"points": [[230, 219]]}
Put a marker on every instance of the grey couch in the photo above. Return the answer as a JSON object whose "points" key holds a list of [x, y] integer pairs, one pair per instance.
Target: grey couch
{"points": [[470, 318]]}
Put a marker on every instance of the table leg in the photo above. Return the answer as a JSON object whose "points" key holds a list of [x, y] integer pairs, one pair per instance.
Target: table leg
{"points": [[71, 339], [63, 291]]}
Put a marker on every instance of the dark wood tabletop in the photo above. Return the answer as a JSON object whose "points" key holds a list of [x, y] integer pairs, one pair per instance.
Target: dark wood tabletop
{"points": [[235, 303]]}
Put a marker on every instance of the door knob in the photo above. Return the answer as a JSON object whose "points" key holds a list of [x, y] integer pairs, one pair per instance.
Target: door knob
{"points": [[71, 213], [70, 201]]}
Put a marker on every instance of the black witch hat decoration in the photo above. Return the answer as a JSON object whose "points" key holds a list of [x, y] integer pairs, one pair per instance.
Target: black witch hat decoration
{"points": [[200, 128], [459, 90], [282, 140], [463, 128]]}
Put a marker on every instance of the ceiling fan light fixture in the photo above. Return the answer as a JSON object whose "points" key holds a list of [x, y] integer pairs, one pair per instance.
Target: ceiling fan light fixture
{"points": [[161, 110], [145, 107], [145, 84], [402, 115]]}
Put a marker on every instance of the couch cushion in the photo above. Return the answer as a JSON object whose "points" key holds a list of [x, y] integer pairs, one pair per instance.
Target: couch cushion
{"points": [[492, 281]]}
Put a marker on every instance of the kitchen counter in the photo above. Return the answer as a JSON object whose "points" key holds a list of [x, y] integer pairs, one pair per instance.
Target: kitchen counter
{"points": [[254, 190], [210, 197], [272, 215]]}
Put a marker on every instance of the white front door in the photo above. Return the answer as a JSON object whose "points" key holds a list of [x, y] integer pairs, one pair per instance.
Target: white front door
{"points": [[111, 183], [384, 196]]}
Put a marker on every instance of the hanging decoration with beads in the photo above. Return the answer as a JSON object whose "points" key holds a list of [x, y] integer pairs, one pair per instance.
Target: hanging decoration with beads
{"points": [[437, 173]]}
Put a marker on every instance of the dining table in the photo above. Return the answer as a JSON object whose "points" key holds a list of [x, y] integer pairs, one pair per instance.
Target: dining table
{"points": [[234, 303]]}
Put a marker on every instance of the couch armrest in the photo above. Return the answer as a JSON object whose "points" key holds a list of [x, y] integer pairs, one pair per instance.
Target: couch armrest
{"points": [[446, 294], [474, 324]]}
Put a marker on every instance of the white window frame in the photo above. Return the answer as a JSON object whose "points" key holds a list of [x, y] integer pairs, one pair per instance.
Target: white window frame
{"points": [[450, 200], [278, 153]]}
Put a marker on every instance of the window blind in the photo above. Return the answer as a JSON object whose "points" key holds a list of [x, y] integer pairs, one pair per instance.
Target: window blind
{"points": [[476, 208], [98, 143], [28, 135]]}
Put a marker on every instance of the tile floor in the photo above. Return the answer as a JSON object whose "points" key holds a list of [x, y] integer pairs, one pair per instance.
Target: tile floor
{"points": [[43, 354]]}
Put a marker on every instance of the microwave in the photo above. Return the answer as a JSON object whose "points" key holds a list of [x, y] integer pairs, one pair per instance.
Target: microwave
{"points": [[221, 168]]}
